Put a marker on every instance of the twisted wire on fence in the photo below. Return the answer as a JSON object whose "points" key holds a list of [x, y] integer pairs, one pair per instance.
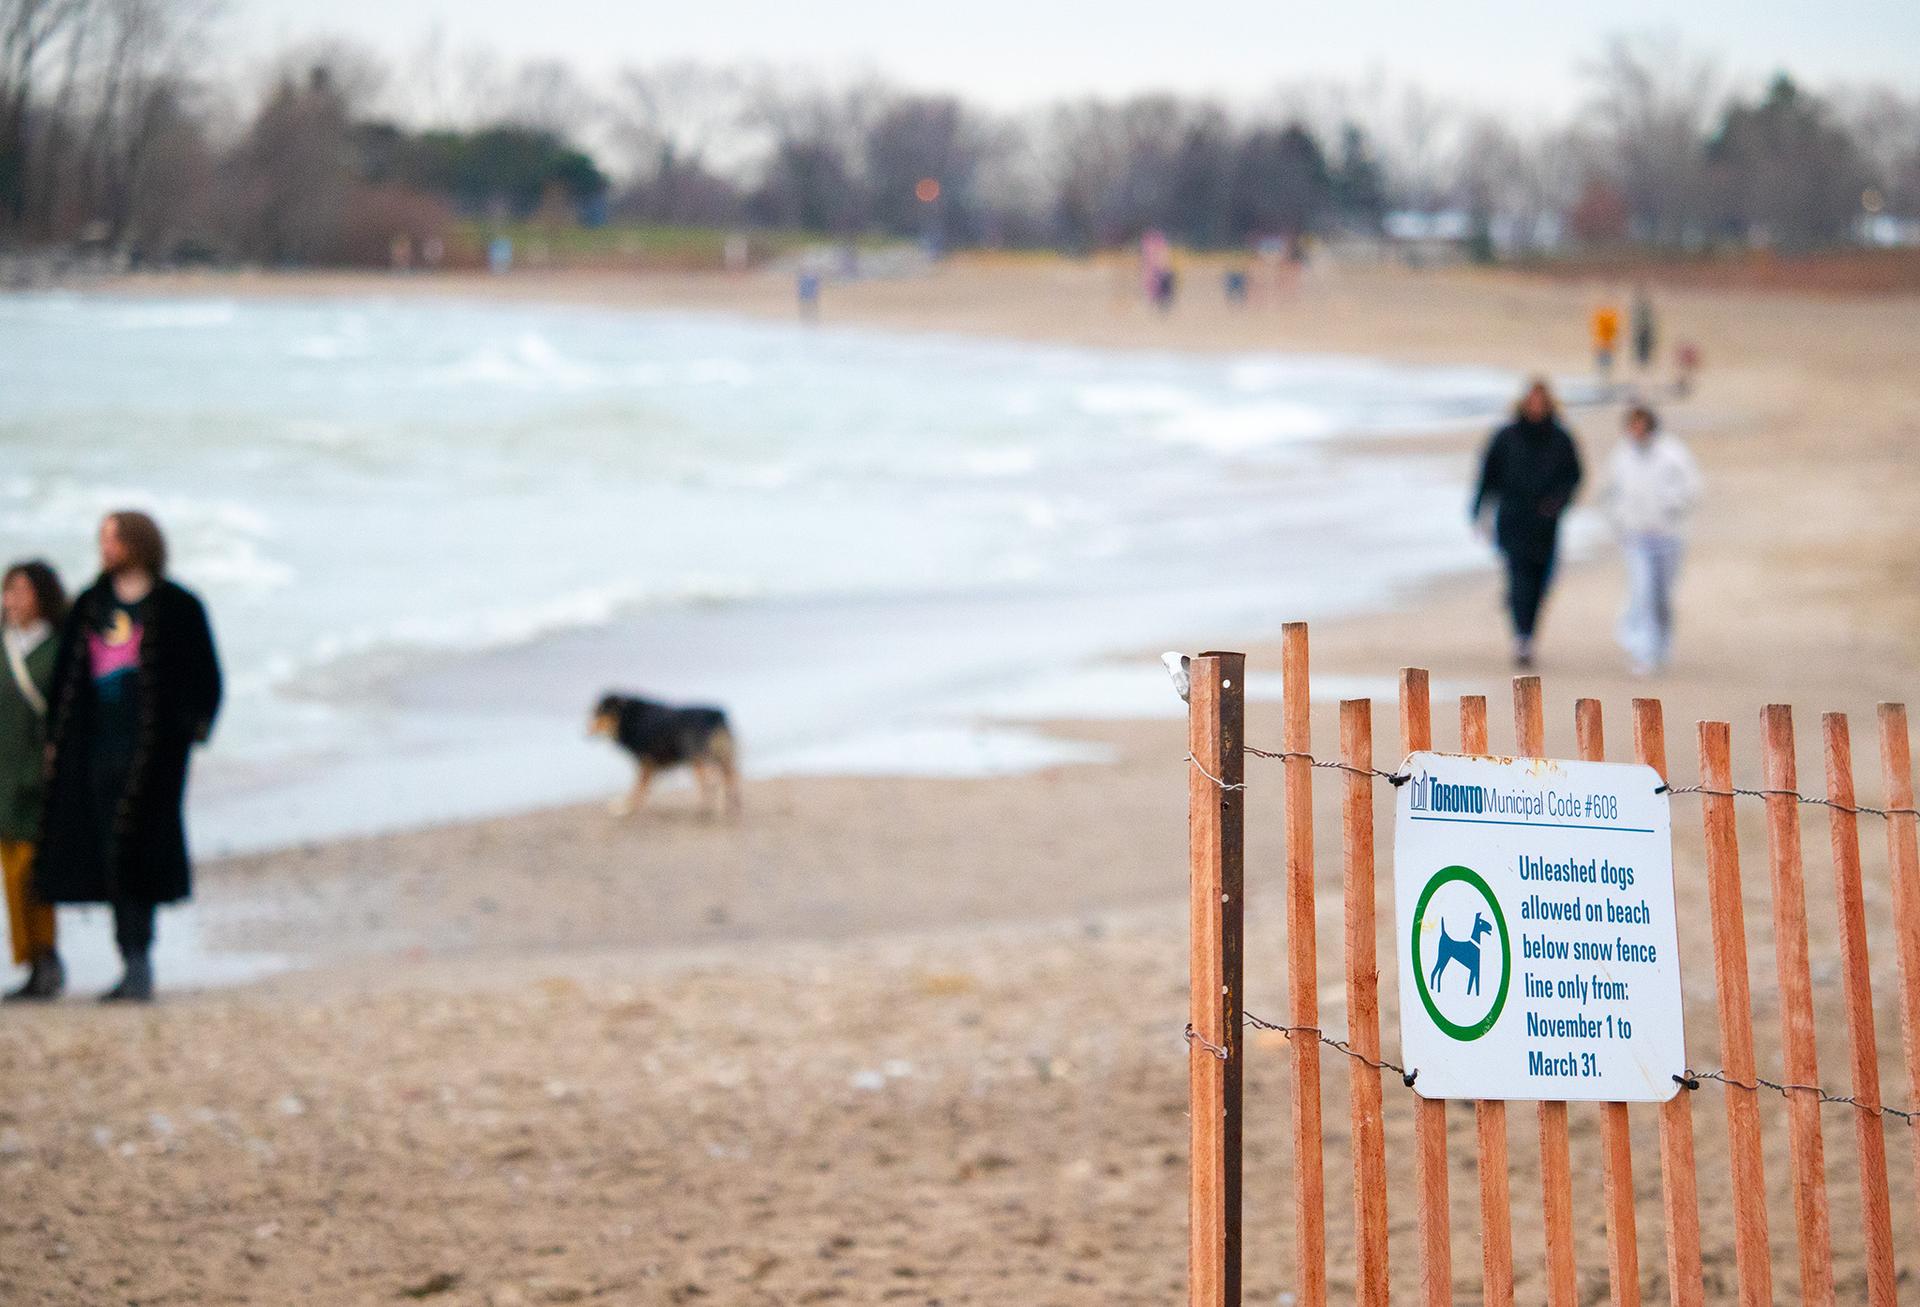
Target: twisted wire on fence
{"points": [[1689, 1079], [1692, 1079], [1194, 1037], [1393, 778], [1397, 779], [1858, 809]]}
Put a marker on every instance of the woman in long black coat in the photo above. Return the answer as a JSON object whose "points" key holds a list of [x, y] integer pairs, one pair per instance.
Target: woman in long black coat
{"points": [[136, 687], [1527, 477]]}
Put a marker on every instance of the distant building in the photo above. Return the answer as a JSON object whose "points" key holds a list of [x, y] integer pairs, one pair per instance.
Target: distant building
{"points": [[1424, 238], [1888, 231], [1428, 226]]}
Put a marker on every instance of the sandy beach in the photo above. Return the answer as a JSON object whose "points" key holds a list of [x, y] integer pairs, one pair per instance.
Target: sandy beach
{"points": [[909, 1040]]}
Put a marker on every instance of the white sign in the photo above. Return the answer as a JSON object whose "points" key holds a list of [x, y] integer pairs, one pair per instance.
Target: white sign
{"points": [[1536, 931]]}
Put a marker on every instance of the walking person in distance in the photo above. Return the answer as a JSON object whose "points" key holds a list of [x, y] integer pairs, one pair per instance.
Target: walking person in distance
{"points": [[1646, 331], [1604, 327], [1527, 478], [137, 685], [32, 607], [1652, 487]]}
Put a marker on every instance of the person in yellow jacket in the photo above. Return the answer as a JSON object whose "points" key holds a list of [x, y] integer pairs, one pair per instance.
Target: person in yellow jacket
{"points": [[34, 606], [1605, 326]]}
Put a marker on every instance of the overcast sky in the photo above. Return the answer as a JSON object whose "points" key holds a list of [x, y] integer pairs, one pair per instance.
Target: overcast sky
{"points": [[1519, 55]]}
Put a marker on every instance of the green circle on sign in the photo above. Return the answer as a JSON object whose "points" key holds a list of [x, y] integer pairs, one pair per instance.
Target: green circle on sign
{"points": [[1464, 1033]]}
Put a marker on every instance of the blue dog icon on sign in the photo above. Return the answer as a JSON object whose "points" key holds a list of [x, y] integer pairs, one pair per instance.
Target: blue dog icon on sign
{"points": [[1464, 951]]}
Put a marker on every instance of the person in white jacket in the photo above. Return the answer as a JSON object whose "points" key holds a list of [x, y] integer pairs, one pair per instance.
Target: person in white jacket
{"points": [[1652, 487]]}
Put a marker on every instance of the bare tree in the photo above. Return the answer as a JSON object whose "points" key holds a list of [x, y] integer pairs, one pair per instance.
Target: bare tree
{"points": [[1651, 103], [144, 54], [920, 140], [1489, 174], [1517, 188], [1085, 163], [546, 95], [1012, 183], [29, 31], [292, 176], [358, 77], [682, 127], [813, 178], [447, 86], [1114, 166], [1886, 126], [1421, 139]]}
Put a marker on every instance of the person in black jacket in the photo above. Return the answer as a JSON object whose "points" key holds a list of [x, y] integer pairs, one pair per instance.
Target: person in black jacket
{"points": [[1527, 479], [137, 685]]}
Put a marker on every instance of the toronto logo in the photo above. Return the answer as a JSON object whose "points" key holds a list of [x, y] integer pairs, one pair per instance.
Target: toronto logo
{"points": [[1431, 795]]}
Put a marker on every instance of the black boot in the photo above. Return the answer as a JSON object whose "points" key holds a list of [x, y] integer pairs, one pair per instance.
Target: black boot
{"points": [[53, 976], [45, 979], [134, 987]]}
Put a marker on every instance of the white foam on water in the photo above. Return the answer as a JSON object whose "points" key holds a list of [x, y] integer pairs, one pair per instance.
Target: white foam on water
{"points": [[718, 372], [1242, 427], [998, 463], [177, 316], [481, 632], [1132, 398]]}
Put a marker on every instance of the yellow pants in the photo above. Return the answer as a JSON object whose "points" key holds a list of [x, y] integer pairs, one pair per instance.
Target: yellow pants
{"points": [[30, 920]]}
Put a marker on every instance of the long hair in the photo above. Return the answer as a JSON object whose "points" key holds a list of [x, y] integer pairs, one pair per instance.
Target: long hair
{"points": [[146, 544], [1539, 386], [48, 594]]}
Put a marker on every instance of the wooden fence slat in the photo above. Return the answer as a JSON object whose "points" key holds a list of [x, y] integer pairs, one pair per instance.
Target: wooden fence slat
{"points": [[1849, 896], [1429, 1114], [1679, 1178], [1363, 1007], [1490, 1114], [1903, 863], [1616, 1136], [1303, 977], [1806, 1150], [1735, 999], [1215, 832], [1556, 1161]]}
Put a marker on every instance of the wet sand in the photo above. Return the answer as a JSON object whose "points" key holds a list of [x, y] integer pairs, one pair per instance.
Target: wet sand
{"points": [[918, 1041]]}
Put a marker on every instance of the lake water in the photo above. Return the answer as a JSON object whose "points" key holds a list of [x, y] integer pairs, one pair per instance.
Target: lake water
{"points": [[431, 533]]}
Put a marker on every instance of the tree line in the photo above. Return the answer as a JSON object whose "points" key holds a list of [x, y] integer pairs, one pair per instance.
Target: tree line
{"points": [[114, 132]]}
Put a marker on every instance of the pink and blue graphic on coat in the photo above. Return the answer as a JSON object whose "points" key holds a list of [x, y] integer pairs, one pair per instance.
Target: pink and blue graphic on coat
{"points": [[115, 654]]}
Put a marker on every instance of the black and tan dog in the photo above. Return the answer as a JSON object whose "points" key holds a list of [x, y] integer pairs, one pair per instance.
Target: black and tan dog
{"points": [[660, 737]]}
